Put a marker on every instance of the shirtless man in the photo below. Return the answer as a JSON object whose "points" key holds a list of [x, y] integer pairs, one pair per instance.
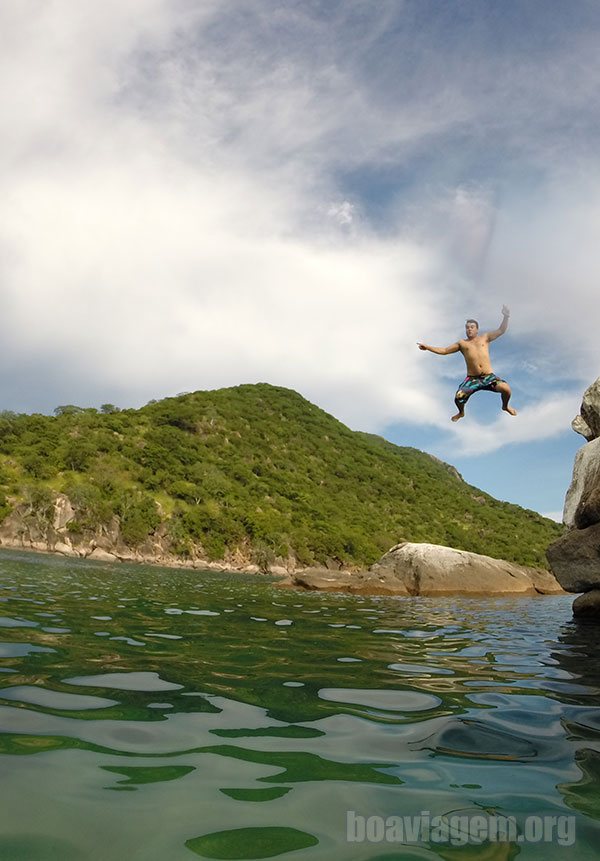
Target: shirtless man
{"points": [[479, 369]]}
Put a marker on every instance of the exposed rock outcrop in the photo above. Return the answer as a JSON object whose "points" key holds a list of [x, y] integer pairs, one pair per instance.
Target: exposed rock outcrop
{"points": [[583, 490], [575, 558], [587, 422], [64, 512], [48, 530], [580, 425], [430, 569]]}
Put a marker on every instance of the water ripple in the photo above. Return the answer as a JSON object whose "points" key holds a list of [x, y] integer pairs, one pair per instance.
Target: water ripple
{"points": [[246, 719]]}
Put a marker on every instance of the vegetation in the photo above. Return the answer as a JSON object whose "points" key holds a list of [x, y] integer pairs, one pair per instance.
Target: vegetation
{"points": [[255, 467]]}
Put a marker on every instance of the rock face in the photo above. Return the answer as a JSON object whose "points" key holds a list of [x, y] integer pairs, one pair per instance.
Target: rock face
{"points": [[575, 558], [584, 488], [430, 569], [590, 410], [49, 531]]}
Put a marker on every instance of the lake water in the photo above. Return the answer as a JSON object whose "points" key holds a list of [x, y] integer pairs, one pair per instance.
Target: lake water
{"points": [[165, 715]]}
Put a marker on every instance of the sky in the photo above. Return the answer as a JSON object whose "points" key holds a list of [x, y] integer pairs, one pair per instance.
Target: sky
{"points": [[202, 194]]}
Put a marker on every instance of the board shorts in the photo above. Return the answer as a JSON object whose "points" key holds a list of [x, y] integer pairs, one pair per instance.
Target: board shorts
{"points": [[470, 385]]}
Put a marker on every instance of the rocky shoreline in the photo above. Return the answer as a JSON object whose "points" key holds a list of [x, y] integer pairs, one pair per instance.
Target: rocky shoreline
{"points": [[22, 530], [408, 569]]}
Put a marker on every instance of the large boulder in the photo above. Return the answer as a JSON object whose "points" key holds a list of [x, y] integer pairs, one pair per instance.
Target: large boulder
{"points": [[431, 569], [587, 606], [575, 559]]}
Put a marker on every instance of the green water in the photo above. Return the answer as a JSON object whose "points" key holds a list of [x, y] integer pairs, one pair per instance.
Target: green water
{"points": [[169, 715]]}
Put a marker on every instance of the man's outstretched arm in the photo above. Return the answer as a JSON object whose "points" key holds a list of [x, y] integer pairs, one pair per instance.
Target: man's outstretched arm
{"points": [[503, 325], [441, 351]]}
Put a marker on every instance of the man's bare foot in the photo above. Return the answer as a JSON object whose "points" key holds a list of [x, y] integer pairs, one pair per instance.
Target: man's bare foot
{"points": [[457, 417], [508, 410]]}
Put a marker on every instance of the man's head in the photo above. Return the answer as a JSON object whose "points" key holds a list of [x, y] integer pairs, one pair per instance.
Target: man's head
{"points": [[471, 328]]}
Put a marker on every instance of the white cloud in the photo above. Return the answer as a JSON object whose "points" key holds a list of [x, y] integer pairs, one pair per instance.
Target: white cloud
{"points": [[172, 215], [128, 255], [546, 261], [184, 283], [541, 420], [343, 212]]}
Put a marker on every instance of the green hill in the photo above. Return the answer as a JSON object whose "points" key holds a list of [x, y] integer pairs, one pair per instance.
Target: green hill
{"points": [[254, 467]]}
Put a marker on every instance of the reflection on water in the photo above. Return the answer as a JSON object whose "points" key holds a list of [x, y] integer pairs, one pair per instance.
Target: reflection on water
{"points": [[235, 720]]}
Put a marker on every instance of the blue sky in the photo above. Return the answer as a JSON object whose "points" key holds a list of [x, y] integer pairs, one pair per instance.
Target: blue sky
{"points": [[200, 194]]}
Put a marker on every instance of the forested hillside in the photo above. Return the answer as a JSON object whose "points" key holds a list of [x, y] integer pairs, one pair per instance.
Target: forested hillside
{"points": [[255, 467]]}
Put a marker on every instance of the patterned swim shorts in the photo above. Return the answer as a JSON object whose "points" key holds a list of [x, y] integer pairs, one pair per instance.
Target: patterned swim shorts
{"points": [[484, 382]]}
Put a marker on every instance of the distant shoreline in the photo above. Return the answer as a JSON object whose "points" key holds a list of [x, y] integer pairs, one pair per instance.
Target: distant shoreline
{"points": [[356, 583]]}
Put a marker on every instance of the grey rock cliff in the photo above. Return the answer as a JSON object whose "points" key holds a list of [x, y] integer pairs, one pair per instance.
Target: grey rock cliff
{"points": [[584, 487], [575, 557], [590, 410]]}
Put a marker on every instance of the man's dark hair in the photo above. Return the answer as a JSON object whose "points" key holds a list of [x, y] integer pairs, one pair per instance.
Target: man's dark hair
{"points": [[473, 321]]}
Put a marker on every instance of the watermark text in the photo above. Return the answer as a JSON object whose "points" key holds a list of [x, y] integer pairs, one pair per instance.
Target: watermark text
{"points": [[460, 829]]}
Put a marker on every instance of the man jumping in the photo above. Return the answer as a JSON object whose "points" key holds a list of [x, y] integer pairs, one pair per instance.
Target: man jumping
{"points": [[479, 369]]}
